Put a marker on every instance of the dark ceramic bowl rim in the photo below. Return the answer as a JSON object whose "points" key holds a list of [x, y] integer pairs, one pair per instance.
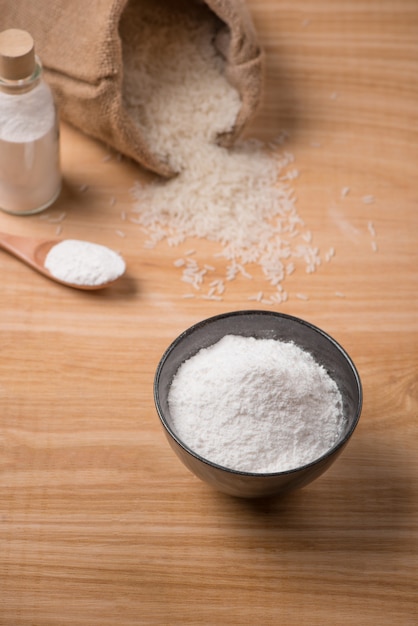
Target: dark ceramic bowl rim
{"points": [[293, 318]]}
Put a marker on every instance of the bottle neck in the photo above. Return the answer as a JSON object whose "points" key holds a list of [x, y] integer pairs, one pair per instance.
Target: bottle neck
{"points": [[23, 85]]}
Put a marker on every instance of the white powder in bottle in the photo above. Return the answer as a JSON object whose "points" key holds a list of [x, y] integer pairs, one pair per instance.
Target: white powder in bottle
{"points": [[30, 177], [256, 405], [84, 263]]}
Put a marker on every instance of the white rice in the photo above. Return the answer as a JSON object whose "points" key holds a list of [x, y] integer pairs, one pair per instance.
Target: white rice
{"points": [[174, 86], [371, 229], [368, 199]]}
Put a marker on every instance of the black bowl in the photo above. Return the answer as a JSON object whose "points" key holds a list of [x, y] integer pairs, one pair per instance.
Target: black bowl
{"points": [[261, 325]]}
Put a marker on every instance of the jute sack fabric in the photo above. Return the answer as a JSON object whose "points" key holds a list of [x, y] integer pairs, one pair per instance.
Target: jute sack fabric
{"points": [[80, 46]]}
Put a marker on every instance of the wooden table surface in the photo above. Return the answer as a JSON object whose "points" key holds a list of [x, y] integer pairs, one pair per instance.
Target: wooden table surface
{"points": [[100, 524]]}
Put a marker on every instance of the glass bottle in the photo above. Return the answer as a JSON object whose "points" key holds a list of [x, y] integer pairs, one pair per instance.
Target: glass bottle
{"points": [[30, 177]]}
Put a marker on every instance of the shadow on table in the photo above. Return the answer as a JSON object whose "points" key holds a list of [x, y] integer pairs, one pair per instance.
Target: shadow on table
{"points": [[361, 503]]}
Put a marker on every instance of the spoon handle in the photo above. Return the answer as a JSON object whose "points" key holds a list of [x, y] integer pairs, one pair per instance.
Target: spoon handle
{"points": [[30, 250], [21, 247]]}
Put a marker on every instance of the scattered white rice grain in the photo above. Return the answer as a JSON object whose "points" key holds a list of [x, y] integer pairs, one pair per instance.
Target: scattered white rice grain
{"points": [[339, 294], [123, 216], [107, 158], [279, 140], [231, 272], [210, 268], [218, 286], [328, 255], [83, 188], [51, 219], [316, 144], [302, 296], [259, 296], [368, 199], [60, 218], [371, 229], [188, 295], [334, 95], [190, 252], [58, 230], [374, 246], [276, 298], [275, 280], [120, 233], [345, 191], [266, 301], [192, 274], [291, 175], [307, 236], [289, 157], [306, 22], [243, 271], [179, 263], [191, 280], [212, 297]]}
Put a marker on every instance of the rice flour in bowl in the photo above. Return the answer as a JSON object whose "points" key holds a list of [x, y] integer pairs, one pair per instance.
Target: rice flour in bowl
{"points": [[256, 403]]}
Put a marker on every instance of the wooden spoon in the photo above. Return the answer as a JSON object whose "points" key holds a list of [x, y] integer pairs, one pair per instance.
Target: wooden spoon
{"points": [[33, 252]]}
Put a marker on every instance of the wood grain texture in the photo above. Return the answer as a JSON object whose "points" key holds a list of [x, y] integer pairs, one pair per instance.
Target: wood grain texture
{"points": [[99, 522]]}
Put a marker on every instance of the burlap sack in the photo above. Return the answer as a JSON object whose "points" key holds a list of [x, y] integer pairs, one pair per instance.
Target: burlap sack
{"points": [[80, 47]]}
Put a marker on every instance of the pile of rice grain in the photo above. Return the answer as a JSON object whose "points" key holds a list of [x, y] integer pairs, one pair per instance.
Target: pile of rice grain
{"points": [[175, 87]]}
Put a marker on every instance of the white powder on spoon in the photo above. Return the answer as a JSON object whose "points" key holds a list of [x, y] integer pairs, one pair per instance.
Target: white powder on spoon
{"points": [[84, 263], [256, 405]]}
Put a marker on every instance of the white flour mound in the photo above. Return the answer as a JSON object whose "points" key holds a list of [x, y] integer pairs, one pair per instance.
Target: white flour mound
{"points": [[256, 405], [84, 263]]}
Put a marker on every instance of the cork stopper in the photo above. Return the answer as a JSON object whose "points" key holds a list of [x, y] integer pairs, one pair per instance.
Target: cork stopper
{"points": [[17, 54]]}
